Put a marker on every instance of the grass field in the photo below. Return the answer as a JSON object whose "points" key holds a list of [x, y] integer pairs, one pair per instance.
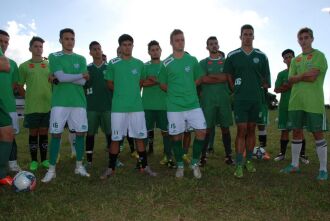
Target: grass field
{"points": [[265, 195]]}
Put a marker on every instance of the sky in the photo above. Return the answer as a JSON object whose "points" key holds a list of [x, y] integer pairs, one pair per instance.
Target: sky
{"points": [[276, 24]]}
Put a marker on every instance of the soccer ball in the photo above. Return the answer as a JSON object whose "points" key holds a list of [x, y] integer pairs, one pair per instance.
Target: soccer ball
{"points": [[24, 181], [258, 152]]}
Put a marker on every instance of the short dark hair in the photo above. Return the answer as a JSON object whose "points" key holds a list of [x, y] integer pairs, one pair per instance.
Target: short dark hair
{"points": [[2, 32], [175, 32], [152, 43], [246, 26], [65, 30], [125, 37], [306, 30], [287, 51], [93, 43], [211, 38], [36, 38]]}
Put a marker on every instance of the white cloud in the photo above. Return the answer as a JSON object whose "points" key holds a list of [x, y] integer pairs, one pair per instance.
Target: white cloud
{"points": [[325, 10]]}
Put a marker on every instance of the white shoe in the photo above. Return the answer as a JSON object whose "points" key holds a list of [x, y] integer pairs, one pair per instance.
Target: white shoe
{"points": [[196, 171], [80, 170], [147, 170], [107, 173], [179, 172], [13, 166], [49, 176]]}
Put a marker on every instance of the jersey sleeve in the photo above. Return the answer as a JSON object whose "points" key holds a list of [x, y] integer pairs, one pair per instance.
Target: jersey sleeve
{"points": [[266, 72], [322, 64], [162, 77], [198, 71], [228, 67], [54, 64], [293, 68], [22, 74], [143, 72], [83, 65], [279, 80], [15, 76], [202, 63], [109, 75]]}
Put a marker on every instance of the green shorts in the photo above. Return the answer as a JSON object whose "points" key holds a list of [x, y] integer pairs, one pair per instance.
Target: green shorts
{"points": [[263, 115], [311, 121], [282, 119], [36, 120], [99, 119], [246, 111], [5, 119], [218, 115], [156, 119]]}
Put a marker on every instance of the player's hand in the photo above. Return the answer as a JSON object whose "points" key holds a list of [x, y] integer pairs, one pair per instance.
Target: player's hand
{"points": [[52, 79], [295, 79], [86, 76], [153, 79]]}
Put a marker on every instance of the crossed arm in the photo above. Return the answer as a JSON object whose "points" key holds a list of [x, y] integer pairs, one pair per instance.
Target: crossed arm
{"points": [[309, 76], [79, 79]]}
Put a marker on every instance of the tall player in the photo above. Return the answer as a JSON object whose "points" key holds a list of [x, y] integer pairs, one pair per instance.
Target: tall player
{"points": [[248, 71], [6, 129], [179, 74], [8, 83], [215, 98], [98, 100], [124, 76], [306, 105], [34, 74], [68, 101], [154, 100]]}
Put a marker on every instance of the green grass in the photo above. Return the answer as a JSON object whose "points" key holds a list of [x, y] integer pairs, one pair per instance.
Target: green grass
{"points": [[265, 195]]}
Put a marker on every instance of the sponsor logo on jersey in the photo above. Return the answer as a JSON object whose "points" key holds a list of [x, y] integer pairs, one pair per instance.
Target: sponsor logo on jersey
{"points": [[31, 65], [220, 62], [209, 62], [42, 65], [309, 57], [256, 60], [135, 71], [298, 59], [76, 66], [187, 69]]}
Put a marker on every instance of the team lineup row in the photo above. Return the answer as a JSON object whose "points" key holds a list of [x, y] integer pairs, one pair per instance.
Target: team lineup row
{"points": [[179, 94]]}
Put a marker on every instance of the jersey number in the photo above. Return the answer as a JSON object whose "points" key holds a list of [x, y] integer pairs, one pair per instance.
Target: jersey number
{"points": [[238, 81]]}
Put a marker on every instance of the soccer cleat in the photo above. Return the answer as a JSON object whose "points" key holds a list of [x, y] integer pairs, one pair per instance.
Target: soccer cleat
{"points": [[81, 170], [196, 171], [279, 157], [186, 158], [134, 154], [304, 159], [179, 172], [229, 160], [250, 167], [34, 165], [6, 181], [171, 164], [210, 151], [49, 176], [13, 166], [45, 164], [107, 173], [290, 169], [163, 161], [323, 175], [239, 171], [266, 156], [202, 162], [119, 164], [147, 170]]}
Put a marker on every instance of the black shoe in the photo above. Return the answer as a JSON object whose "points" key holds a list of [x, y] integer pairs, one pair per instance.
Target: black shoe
{"points": [[229, 160], [202, 162], [171, 164]]}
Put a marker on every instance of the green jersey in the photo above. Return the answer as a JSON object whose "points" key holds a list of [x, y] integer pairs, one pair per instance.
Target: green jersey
{"points": [[282, 78], [179, 74], [126, 76], [38, 89], [68, 94], [308, 96], [97, 93], [249, 72], [153, 97], [6, 87], [217, 93]]}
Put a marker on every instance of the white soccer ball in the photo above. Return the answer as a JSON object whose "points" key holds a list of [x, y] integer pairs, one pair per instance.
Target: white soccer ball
{"points": [[24, 181], [258, 152]]}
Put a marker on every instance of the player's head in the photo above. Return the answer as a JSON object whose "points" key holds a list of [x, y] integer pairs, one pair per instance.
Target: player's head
{"points": [[287, 56], [247, 35], [177, 40], [125, 42], [154, 50], [212, 45], [104, 57], [67, 39], [36, 46], [305, 38], [95, 50], [4, 40]]}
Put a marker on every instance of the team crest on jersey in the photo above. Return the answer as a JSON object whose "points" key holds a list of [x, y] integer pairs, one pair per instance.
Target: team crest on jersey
{"points": [[31, 65], [298, 59], [256, 60], [187, 69], [309, 57], [76, 66], [134, 71]]}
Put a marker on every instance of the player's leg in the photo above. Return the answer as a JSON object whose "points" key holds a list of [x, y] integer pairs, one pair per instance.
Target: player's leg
{"points": [[283, 145], [210, 117], [150, 116], [94, 121], [225, 121], [12, 163], [210, 148], [72, 140], [43, 138], [186, 144]]}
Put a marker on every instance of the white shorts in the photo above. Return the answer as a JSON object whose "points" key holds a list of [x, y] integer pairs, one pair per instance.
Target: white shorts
{"points": [[134, 122], [75, 116], [179, 122], [14, 121]]}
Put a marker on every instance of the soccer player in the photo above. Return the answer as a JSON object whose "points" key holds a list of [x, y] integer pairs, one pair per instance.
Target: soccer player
{"points": [[306, 105], [6, 129], [8, 84], [34, 74], [124, 76], [248, 71], [282, 86], [215, 98], [154, 100], [98, 100], [179, 74], [68, 101]]}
